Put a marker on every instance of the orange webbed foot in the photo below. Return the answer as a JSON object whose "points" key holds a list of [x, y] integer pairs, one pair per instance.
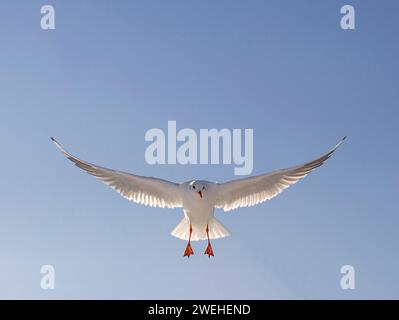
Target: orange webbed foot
{"points": [[209, 251], [189, 251]]}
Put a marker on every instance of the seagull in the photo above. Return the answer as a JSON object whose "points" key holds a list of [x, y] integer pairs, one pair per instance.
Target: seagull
{"points": [[199, 198]]}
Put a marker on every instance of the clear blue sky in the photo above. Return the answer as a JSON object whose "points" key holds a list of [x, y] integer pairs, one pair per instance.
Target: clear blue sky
{"points": [[112, 70]]}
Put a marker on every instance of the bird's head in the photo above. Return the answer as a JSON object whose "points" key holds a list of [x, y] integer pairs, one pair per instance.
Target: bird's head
{"points": [[199, 188]]}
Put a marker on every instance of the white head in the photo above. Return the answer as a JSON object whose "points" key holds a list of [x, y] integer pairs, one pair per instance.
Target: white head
{"points": [[198, 188]]}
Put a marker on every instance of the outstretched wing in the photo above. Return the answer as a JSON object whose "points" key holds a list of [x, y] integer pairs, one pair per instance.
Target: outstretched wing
{"points": [[253, 190], [143, 190]]}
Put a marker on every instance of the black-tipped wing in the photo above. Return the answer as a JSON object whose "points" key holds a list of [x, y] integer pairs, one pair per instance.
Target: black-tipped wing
{"points": [[254, 190], [143, 190]]}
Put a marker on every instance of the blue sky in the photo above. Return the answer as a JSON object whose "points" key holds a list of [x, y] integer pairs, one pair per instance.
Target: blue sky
{"points": [[112, 70]]}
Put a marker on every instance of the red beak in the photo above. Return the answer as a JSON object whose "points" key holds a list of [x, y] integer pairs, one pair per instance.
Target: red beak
{"points": [[200, 193]]}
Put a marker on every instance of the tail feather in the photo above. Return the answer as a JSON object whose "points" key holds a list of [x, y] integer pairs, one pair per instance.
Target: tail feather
{"points": [[216, 230]]}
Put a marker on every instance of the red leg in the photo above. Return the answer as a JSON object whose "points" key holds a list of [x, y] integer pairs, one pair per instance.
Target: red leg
{"points": [[208, 249], [189, 251]]}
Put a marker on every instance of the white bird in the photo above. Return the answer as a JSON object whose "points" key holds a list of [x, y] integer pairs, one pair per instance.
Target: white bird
{"points": [[199, 198]]}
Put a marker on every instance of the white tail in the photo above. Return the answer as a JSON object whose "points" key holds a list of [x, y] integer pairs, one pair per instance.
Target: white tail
{"points": [[216, 230]]}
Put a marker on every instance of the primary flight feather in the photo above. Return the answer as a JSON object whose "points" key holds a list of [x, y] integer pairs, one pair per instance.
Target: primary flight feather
{"points": [[199, 198]]}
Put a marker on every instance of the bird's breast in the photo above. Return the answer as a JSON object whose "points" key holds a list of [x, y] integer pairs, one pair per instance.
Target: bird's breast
{"points": [[198, 211]]}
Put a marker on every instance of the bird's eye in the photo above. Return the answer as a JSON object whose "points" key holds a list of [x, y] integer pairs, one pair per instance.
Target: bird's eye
{"points": [[203, 188], [194, 187]]}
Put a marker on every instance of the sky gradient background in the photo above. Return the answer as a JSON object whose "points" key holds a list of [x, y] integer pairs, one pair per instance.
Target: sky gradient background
{"points": [[112, 70]]}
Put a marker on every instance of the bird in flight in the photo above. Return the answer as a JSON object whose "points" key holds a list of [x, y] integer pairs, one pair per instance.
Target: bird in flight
{"points": [[199, 198]]}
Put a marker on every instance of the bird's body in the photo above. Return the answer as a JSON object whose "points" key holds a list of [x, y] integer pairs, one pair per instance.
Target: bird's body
{"points": [[199, 198], [199, 213]]}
